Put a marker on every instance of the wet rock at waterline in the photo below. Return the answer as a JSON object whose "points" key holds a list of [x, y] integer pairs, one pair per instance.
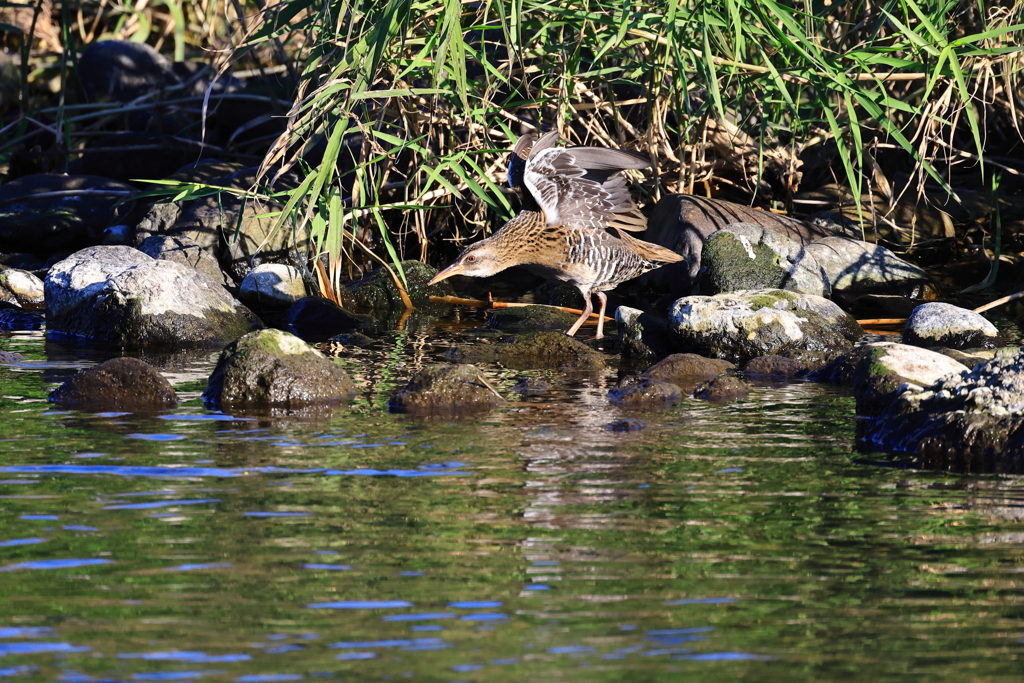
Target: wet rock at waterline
{"points": [[682, 223], [645, 392], [531, 386], [937, 324], [33, 218], [185, 251], [686, 370], [761, 323], [271, 286], [118, 384], [530, 319], [377, 291], [854, 268], [970, 421], [626, 425], [118, 295], [271, 368], [721, 389], [532, 350], [443, 389], [775, 367], [745, 256], [21, 289], [17, 319], [877, 371], [642, 335], [10, 357], [316, 319]]}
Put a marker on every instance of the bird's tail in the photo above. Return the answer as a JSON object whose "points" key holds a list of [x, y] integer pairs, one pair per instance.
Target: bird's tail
{"points": [[648, 251]]}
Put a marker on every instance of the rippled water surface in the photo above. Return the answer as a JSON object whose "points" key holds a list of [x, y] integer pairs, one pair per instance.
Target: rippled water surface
{"points": [[533, 543]]}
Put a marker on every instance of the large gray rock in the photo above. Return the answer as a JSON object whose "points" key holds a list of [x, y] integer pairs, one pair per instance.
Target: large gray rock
{"points": [[21, 288], [445, 390], [938, 324], [120, 296], [34, 219], [271, 368], [117, 384], [745, 256], [970, 421], [877, 371], [683, 222], [854, 268], [761, 323], [185, 251]]}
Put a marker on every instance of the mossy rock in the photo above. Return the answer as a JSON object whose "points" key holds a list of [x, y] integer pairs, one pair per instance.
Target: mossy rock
{"points": [[442, 389], [117, 384], [531, 319], [721, 389], [377, 292], [274, 368], [645, 393], [533, 350], [731, 268]]}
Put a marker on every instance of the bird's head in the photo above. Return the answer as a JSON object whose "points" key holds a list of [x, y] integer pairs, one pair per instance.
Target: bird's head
{"points": [[478, 260]]}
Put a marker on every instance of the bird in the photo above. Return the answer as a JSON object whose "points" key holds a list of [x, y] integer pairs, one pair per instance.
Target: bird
{"points": [[571, 198]]}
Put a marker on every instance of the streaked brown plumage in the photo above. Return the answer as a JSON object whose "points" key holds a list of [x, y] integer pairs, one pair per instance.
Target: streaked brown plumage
{"points": [[571, 196]]}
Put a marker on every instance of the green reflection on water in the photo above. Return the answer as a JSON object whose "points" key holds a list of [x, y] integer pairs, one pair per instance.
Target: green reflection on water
{"points": [[720, 542]]}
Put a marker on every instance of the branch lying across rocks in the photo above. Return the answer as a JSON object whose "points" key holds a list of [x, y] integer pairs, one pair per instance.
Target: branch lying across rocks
{"points": [[479, 303]]}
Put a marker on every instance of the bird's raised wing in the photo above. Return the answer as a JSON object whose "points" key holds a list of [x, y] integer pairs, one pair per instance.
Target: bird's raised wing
{"points": [[582, 187]]}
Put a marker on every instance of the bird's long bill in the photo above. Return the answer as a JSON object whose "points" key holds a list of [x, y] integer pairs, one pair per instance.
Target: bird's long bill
{"points": [[454, 269]]}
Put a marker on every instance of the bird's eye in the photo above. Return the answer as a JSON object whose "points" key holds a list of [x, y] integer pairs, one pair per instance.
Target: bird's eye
{"points": [[470, 259]]}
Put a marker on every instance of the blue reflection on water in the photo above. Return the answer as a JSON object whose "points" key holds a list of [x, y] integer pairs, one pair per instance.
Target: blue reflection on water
{"points": [[55, 564], [475, 604], [485, 616], [428, 616], [360, 604], [394, 642], [34, 648], [268, 678], [317, 565], [193, 567], [700, 601], [161, 504], [184, 656], [157, 437], [26, 632], [357, 655], [21, 541]]}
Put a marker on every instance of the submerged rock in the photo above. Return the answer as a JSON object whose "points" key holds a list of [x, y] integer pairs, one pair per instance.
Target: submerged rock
{"points": [[761, 323], [971, 421], [533, 350], [745, 256], [938, 324], [272, 285], [530, 319], [118, 384], [687, 370], [274, 368], [377, 291], [644, 392], [531, 386], [626, 425], [775, 367], [21, 288], [443, 389], [721, 389], [120, 296]]}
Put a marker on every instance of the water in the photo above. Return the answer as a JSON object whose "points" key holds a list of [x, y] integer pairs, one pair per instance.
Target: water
{"points": [[533, 543]]}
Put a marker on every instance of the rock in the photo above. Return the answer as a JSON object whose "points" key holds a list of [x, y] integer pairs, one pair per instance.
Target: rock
{"points": [[272, 285], [17, 319], [745, 256], [160, 218], [683, 222], [185, 251], [533, 350], [626, 425], [316, 319], [775, 366], [531, 386], [136, 157], [445, 390], [876, 371], [760, 323], [642, 335], [21, 288], [687, 370], [970, 421], [722, 388], [235, 229], [120, 296], [856, 268], [937, 324], [645, 392], [530, 319], [123, 70], [273, 368], [350, 339], [10, 357], [118, 384], [48, 223], [377, 291]]}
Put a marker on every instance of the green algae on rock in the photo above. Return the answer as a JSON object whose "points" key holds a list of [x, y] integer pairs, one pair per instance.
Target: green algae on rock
{"points": [[533, 350], [445, 389]]}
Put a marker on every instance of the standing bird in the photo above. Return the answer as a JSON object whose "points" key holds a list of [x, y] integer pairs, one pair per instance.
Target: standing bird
{"points": [[571, 196]]}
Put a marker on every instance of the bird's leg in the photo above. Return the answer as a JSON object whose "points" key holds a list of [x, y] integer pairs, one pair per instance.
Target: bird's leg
{"points": [[586, 314], [603, 298]]}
